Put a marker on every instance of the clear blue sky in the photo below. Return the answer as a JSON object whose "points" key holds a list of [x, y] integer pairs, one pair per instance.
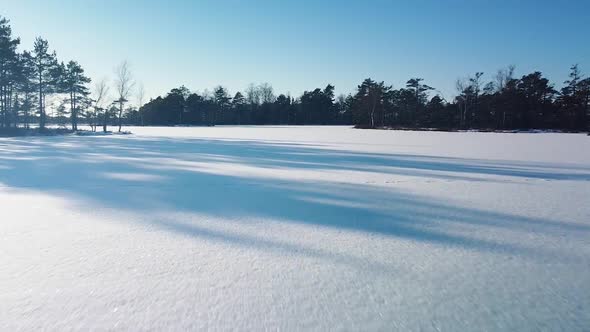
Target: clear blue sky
{"points": [[300, 45]]}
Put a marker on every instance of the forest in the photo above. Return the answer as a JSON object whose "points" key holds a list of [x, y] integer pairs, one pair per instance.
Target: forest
{"points": [[37, 89]]}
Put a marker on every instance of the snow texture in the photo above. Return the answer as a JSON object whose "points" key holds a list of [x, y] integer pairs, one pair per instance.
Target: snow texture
{"points": [[295, 228]]}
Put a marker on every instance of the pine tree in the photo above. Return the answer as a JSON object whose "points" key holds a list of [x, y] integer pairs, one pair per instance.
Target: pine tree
{"points": [[369, 101], [178, 97], [46, 70], [26, 86], [238, 103], [9, 67], [62, 114], [74, 83], [572, 100], [419, 91], [223, 102]]}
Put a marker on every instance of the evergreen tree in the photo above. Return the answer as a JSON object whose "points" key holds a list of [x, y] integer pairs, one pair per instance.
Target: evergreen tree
{"points": [[238, 103], [223, 102], [74, 83], [537, 95], [62, 114], [369, 101], [46, 70], [196, 109], [419, 91], [177, 98], [574, 100], [9, 70], [26, 87]]}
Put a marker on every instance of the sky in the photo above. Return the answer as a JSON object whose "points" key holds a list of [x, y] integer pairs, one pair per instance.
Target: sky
{"points": [[301, 45]]}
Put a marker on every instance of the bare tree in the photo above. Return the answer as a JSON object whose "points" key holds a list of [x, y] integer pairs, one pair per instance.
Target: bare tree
{"points": [[124, 85], [462, 100], [140, 99], [475, 82], [101, 91], [503, 76], [266, 93], [253, 95]]}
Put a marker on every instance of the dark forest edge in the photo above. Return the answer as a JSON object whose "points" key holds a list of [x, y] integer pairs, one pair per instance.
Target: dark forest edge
{"points": [[59, 131], [31, 79]]}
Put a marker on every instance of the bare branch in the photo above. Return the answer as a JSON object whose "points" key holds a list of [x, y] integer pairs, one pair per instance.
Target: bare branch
{"points": [[124, 82]]}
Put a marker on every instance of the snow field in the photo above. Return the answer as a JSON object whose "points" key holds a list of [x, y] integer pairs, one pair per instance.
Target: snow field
{"points": [[291, 228]]}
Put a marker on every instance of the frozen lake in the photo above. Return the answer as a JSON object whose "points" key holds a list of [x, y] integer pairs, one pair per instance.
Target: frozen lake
{"points": [[323, 228]]}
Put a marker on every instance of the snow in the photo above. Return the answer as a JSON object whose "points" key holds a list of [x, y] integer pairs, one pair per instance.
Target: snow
{"points": [[291, 228]]}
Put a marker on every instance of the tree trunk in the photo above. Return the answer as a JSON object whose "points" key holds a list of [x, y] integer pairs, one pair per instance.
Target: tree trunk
{"points": [[373, 117], [41, 111], [72, 113], [2, 106], [8, 96], [120, 114]]}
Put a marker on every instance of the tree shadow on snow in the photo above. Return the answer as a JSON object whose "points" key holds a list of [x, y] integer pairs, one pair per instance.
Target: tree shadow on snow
{"points": [[160, 176]]}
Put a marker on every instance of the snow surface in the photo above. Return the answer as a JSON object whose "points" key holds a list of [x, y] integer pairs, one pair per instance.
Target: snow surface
{"points": [[291, 228]]}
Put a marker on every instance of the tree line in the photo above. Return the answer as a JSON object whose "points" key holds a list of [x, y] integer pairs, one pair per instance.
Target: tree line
{"points": [[34, 82], [35, 88], [506, 103]]}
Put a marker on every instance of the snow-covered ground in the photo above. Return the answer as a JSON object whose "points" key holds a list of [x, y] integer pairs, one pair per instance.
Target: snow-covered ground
{"points": [[291, 228]]}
